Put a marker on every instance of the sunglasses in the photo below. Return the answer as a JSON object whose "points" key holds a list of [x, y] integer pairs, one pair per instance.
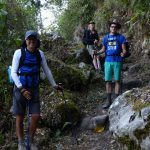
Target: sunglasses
{"points": [[113, 27]]}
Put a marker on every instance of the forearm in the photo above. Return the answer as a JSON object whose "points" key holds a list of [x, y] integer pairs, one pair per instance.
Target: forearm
{"points": [[102, 50], [16, 79], [47, 71], [124, 49]]}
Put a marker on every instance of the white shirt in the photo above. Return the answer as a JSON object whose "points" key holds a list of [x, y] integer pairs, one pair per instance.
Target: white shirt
{"points": [[15, 65]]}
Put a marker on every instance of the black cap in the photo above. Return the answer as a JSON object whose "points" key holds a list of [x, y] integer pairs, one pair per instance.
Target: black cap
{"points": [[115, 22], [31, 33], [91, 22]]}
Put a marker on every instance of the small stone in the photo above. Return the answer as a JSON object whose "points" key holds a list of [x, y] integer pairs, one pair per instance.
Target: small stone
{"points": [[82, 65], [112, 141]]}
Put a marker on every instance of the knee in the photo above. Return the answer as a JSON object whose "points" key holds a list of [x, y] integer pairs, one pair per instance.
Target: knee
{"points": [[117, 82], [108, 83], [19, 120], [36, 117]]}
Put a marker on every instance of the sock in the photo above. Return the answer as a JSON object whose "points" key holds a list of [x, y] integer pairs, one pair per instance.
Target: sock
{"points": [[109, 96]]}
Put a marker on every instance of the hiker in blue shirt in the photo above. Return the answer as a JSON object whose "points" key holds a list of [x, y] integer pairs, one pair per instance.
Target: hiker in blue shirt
{"points": [[115, 49], [25, 74]]}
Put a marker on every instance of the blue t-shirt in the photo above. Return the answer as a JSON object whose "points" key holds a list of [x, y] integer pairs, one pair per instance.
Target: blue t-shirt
{"points": [[113, 46]]}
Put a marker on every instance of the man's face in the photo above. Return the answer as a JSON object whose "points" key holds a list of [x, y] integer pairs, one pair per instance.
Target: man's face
{"points": [[31, 42], [91, 26], [113, 28]]}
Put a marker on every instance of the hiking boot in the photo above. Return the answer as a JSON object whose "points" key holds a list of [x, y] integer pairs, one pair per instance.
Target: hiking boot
{"points": [[108, 101], [107, 104], [21, 147], [33, 147]]}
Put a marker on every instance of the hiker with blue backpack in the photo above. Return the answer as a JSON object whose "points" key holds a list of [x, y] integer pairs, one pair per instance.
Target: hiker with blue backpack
{"points": [[114, 47], [25, 73]]}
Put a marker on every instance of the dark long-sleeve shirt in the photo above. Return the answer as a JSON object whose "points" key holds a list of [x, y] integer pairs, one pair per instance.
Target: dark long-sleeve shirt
{"points": [[90, 37]]}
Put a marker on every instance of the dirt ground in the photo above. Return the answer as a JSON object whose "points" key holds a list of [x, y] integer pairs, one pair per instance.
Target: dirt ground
{"points": [[91, 105]]}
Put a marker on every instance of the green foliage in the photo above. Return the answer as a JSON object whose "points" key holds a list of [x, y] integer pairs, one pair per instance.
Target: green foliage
{"points": [[57, 2], [77, 12], [16, 17], [1, 138], [133, 13], [70, 113], [5, 89]]}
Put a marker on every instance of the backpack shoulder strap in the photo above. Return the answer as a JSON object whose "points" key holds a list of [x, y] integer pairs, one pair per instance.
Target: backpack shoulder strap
{"points": [[23, 55], [22, 58]]}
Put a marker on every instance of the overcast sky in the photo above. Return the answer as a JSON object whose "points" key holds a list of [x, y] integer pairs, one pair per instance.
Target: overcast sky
{"points": [[48, 16]]}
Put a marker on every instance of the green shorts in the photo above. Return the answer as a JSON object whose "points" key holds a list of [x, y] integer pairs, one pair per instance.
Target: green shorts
{"points": [[113, 69]]}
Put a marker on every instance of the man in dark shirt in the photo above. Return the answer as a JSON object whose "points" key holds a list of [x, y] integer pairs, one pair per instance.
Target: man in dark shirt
{"points": [[90, 37]]}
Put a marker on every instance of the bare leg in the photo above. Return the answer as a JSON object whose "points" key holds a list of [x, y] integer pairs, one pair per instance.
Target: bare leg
{"points": [[108, 87], [117, 87], [95, 62], [98, 62], [34, 121], [19, 127]]}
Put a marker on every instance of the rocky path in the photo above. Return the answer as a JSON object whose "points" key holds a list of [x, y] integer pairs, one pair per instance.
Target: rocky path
{"points": [[87, 139]]}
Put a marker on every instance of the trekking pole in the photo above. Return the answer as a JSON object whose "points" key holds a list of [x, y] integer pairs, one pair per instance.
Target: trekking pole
{"points": [[95, 61], [28, 126], [97, 58], [73, 130]]}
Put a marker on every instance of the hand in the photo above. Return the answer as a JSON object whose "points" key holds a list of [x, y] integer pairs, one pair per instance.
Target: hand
{"points": [[95, 41], [58, 87], [26, 94], [123, 54], [94, 52]]}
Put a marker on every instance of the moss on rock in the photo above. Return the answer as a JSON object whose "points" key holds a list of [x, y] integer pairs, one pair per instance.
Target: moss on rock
{"points": [[69, 112], [143, 133], [129, 143], [138, 98], [69, 76]]}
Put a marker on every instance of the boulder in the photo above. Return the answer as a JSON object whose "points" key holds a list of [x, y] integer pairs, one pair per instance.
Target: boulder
{"points": [[82, 55], [78, 34], [134, 69], [58, 110], [129, 83], [94, 122], [129, 117], [71, 77]]}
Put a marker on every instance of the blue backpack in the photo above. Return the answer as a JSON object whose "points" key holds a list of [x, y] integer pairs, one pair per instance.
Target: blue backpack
{"points": [[21, 62]]}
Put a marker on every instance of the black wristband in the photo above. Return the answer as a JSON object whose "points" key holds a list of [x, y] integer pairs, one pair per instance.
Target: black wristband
{"points": [[20, 88], [22, 91]]}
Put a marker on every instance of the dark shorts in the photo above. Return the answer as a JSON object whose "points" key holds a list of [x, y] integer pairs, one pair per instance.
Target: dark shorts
{"points": [[20, 103]]}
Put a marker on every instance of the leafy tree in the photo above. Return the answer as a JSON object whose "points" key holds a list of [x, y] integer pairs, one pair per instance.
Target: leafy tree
{"points": [[16, 16], [77, 12], [132, 13]]}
